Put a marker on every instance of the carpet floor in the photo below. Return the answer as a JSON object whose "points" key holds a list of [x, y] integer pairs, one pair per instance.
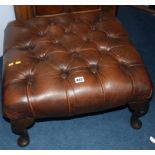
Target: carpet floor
{"points": [[110, 130]]}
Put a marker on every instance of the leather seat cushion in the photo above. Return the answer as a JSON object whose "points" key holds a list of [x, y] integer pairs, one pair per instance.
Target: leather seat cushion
{"points": [[68, 65]]}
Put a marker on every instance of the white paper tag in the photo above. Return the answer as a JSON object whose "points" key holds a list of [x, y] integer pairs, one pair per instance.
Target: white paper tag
{"points": [[79, 79]]}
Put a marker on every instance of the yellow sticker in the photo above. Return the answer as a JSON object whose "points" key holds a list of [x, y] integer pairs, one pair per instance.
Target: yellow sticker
{"points": [[11, 64], [18, 62]]}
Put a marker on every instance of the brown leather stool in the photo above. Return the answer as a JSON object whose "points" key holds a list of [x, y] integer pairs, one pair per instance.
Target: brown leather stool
{"points": [[70, 64]]}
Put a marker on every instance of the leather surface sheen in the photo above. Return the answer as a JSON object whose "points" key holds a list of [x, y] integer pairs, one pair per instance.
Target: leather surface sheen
{"points": [[69, 65]]}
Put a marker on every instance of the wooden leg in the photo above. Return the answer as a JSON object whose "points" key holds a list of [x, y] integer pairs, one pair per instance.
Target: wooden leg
{"points": [[19, 127], [138, 109]]}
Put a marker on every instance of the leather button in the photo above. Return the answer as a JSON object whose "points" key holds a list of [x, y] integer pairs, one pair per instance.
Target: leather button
{"points": [[75, 54], [93, 69], [85, 39], [29, 81], [67, 30], [55, 41], [124, 66], [93, 28], [42, 58], [52, 22], [41, 34], [28, 46], [64, 75]]}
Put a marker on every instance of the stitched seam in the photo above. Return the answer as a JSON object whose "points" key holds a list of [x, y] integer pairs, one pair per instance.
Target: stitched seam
{"points": [[103, 92], [75, 98], [29, 103], [68, 102]]}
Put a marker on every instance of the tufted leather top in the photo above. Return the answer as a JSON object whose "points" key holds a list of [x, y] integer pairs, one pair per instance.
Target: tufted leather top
{"points": [[70, 64]]}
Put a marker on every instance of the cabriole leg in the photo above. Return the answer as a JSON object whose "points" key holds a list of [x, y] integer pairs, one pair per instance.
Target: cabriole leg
{"points": [[20, 127], [138, 109]]}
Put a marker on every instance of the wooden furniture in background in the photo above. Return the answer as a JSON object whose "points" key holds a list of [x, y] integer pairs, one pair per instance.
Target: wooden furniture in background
{"points": [[24, 12]]}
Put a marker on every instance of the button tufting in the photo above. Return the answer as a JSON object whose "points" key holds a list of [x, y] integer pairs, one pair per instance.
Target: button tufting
{"points": [[75, 54], [93, 28], [56, 41], [124, 66], [93, 69], [50, 82], [29, 81], [41, 34], [64, 75], [28, 45], [103, 49], [85, 39], [67, 30], [52, 22], [42, 58]]}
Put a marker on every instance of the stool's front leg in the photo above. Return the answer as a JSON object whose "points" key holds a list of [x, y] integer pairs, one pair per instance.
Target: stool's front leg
{"points": [[138, 109], [20, 127]]}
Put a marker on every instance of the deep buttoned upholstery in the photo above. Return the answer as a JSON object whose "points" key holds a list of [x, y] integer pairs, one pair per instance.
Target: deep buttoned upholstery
{"points": [[68, 65]]}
